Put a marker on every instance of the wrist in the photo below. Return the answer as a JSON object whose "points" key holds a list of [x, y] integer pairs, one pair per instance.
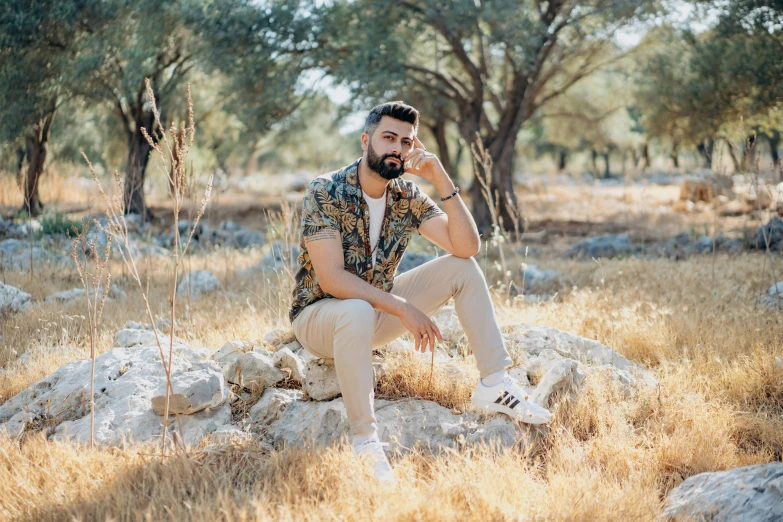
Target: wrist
{"points": [[398, 305], [443, 185]]}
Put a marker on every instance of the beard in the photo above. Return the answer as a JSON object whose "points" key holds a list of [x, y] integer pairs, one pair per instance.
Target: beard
{"points": [[385, 170]]}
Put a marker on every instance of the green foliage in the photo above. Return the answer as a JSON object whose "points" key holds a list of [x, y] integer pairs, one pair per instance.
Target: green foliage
{"points": [[57, 224]]}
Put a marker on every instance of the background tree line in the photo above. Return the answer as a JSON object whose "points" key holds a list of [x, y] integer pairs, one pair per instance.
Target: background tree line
{"points": [[529, 79]]}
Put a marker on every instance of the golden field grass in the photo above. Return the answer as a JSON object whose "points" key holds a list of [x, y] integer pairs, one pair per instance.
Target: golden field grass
{"points": [[608, 456]]}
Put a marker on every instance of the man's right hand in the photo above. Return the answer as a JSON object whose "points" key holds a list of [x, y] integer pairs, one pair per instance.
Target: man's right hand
{"points": [[423, 329]]}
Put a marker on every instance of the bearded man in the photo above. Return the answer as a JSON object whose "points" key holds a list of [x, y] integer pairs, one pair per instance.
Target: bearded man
{"points": [[356, 224]]}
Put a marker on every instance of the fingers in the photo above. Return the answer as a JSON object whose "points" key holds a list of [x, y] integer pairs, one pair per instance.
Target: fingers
{"points": [[417, 142], [416, 340]]}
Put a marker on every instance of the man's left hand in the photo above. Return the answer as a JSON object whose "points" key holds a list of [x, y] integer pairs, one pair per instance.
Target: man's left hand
{"points": [[424, 164]]}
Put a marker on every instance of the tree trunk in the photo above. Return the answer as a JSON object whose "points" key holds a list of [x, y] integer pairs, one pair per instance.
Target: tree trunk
{"points": [[439, 131], [774, 139], [594, 158], [138, 157], [645, 157], [562, 159], [749, 154], [607, 170], [705, 149], [36, 149], [733, 155]]}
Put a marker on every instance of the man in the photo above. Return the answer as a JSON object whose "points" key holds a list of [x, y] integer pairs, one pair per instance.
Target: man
{"points": [[356, 223]]}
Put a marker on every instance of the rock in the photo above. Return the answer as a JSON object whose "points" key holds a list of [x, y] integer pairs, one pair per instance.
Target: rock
{"points": [[601, 246], [772, 232], [129, 337], [549, 348], [229, 435], [773, 299], [126, 380], [536, 339], [229, 233], [13, 300], [520, 375], [279, 257], [279, 337], [320, 380], [562, 377], [533, 276], [758, 197], [253, 369], [231, 351], [77, 294], [16, 254], [449, 325], [750, 494], [407, 424], [199, 283], [271, 404], [702, 245], [286, 359], [411, 260], [195, 389]]}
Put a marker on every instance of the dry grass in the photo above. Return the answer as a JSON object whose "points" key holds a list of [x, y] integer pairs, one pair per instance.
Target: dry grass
{"points": [[608, 456]]}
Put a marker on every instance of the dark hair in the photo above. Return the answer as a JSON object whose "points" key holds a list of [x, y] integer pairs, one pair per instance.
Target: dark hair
{"points": [[396, 109]]}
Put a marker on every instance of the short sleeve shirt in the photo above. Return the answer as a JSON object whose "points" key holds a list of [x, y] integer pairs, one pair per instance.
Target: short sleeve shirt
{"points": [[335, 201]]}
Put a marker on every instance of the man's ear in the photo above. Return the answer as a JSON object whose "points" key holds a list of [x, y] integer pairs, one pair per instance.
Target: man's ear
{"points": [[365, 141]]}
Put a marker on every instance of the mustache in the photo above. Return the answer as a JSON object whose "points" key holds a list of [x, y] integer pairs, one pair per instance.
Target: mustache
{"points": [[393, 156]]}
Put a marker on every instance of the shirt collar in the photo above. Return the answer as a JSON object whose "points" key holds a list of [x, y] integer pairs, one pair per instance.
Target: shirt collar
{"points": [[352, 180]]}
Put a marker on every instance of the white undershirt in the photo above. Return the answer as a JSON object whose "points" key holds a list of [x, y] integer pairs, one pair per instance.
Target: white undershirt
{"points": [[376, 207]]}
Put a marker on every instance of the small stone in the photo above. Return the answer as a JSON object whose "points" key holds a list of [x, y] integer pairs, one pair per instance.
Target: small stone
{"points": [[253, 369]]}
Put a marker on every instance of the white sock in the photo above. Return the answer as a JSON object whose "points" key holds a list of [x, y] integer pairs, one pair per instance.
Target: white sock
{"points": [[361, 439], [494, 379]]}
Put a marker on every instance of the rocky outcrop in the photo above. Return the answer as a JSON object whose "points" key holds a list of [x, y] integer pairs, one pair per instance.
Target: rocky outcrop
{"points": [[13, 300], [601, 246], [749, 494], [126, 381]]}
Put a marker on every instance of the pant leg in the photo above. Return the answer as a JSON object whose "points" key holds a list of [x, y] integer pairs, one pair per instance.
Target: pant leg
{"points": [[429, 286], [342, 329]]}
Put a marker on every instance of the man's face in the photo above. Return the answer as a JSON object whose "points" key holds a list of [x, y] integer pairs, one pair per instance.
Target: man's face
{"points": [[388, 147]]}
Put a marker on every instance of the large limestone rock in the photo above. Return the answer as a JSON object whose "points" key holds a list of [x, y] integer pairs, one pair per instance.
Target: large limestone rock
{"points": [[561, 362], [126, 381], [13, 300], [601, 246], [18, 254], [771, 233], [406, 424], [320, 380], [198, 388], [199, 283], [749, 494], [253, 369]]}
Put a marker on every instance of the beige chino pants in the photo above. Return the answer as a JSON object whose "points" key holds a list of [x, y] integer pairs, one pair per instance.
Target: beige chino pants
{"points": [[347, 330]]}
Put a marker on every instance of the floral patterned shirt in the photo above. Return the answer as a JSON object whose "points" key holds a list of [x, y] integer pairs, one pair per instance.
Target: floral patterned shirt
{"points": [[335, 201]]}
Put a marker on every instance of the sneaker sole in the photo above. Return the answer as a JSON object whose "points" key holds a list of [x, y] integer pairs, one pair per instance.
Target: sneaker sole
{"points": [[491, 406]]}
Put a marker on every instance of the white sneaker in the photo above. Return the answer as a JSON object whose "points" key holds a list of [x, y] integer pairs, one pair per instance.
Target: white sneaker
{"points": [[509, 398], [381, 467]]}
